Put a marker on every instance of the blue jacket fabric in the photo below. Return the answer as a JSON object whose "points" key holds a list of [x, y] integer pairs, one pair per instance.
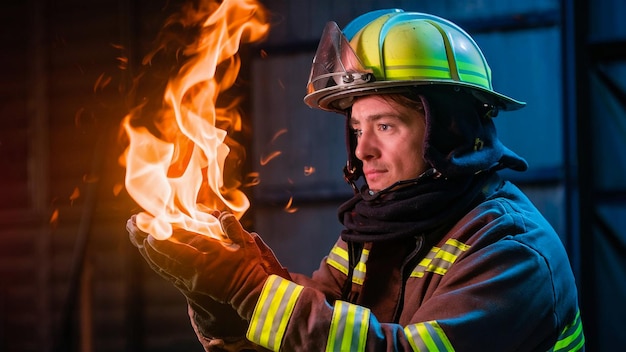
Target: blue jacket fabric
{"points": [[498, 280]]}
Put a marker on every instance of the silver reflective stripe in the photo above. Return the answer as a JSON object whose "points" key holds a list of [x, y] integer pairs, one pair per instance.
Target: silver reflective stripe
{"points": [[338, 259], [428, 336], [348, 328], [359, 272], [272, 312], [439, 260]]}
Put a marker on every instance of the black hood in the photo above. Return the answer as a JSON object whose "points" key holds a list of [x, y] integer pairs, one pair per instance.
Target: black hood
{"points": [[461, 137]]}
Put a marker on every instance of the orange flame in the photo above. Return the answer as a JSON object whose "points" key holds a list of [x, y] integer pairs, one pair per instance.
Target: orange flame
{"points": [[179, 179]]}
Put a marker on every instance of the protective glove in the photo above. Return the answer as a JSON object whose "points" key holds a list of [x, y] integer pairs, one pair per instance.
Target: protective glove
{"points": [[221, 345], [211, 319], [232, 273]]}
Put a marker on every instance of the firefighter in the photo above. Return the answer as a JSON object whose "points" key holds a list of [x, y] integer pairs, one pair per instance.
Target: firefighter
{"points": [[438, 252]]}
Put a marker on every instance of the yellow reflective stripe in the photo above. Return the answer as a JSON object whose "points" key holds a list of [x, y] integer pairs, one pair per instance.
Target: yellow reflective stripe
{"points": [[428, 336], [455, 246], [272, 312], [358, 276], [439, 260], [572, 337], [348, 328], [424, 263], [338, 259]]}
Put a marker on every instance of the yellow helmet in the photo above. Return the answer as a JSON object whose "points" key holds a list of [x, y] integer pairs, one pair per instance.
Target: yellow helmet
{"points": [[391, 50]]}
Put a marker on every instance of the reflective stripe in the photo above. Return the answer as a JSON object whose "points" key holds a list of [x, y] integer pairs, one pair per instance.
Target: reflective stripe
{"points": [[572, 337], [428, 336], [272, 312], [338, 259], [439, 260], [348, 328], [358, 276]]}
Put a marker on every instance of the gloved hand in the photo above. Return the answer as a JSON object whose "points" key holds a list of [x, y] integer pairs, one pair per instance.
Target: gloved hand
{"points": [[211, 319], [221, 345], [232, 273]]}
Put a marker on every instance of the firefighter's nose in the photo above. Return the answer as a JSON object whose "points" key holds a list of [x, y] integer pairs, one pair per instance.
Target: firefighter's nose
{"points": [[366, 147]]}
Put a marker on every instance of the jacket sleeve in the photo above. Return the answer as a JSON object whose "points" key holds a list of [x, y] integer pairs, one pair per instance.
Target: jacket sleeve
{"points": [[500, 297], [328, 278]]}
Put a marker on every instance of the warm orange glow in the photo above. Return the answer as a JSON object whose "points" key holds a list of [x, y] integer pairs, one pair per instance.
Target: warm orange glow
{"points": [[179, 177], [309, 170]]}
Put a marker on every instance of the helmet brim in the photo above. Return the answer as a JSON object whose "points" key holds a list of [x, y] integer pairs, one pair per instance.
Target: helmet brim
{"points": [[340, 98]]}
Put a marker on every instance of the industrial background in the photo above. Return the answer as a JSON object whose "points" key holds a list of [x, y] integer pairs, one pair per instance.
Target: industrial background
{"points": [[71, 281]]}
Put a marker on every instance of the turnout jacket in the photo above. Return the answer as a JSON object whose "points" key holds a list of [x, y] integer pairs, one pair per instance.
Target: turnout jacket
{"points": [[498, 279]]}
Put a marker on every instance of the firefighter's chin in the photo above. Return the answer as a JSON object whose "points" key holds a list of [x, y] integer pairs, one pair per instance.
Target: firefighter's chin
{"points": [[376, 180]]}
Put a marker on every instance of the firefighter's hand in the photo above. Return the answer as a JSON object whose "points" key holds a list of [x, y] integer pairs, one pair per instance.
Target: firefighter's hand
{"points": [[212, 319], [240, 344], [232, 273]]}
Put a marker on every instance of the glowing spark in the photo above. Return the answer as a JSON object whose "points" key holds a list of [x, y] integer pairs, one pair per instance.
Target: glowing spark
{"points": [[278, 134], [122, 62], [90, 178], [74, 195], [117, 189], [267, 159], [288, 207], [55, 217], [252, 180], [101, 82]]}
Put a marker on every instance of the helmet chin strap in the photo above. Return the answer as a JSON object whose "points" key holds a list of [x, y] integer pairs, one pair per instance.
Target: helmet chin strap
{"points": [[351, 176], [353, 170]]}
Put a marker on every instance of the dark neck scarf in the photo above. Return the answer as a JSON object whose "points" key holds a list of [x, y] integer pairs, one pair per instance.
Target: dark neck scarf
{"points": [[424, 207]]}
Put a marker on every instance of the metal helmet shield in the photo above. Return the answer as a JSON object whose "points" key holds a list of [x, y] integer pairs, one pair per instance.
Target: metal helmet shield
{"points": [[335, 64], [390, 50]]}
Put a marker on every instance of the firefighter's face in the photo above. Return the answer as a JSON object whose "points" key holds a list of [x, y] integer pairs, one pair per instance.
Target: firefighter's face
{"points": [[390, 140]]}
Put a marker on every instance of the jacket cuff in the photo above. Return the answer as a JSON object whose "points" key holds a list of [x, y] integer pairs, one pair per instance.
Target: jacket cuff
{"points": [[272, 312]]}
